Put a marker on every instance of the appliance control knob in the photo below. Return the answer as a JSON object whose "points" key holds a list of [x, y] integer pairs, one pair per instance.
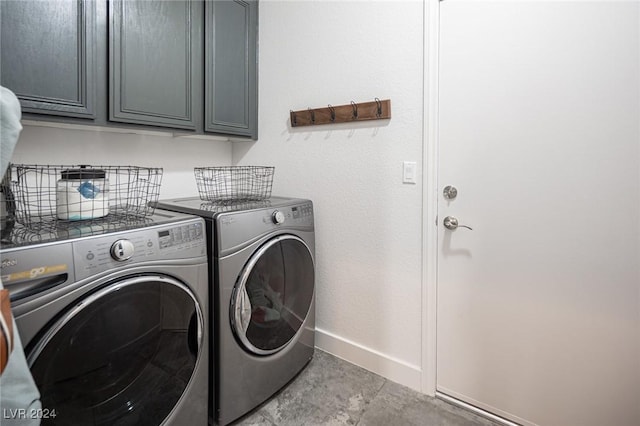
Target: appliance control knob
{"points": [[277, 217], [122, 250]]}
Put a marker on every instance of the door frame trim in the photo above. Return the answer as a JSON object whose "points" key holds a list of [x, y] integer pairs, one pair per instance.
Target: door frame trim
{"points": [[430, 133]]}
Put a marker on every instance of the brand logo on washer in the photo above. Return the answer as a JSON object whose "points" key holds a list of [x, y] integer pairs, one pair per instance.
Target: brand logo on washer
{"points": [[227, 220], [8, 262]]}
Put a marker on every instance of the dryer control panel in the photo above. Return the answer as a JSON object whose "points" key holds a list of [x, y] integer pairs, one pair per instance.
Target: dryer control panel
{"points": [[302, 212], [236, 229], [300, 215]]}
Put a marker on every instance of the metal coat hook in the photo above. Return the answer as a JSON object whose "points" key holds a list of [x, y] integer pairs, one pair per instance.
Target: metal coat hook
{"points": [[379, 110], [348, 113], [332, 110]]}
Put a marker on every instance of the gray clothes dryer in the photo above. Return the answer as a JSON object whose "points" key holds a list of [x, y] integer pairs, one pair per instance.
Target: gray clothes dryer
{"points": [[263, 270], [113, 317]]}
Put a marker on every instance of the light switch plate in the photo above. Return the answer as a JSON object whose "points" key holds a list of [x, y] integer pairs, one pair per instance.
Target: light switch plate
{"points": [[409, 172]]}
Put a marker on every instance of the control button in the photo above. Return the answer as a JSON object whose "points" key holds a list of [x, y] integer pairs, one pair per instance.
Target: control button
{"points": [[90, 256], [122, 250], [277, 217], [149, 243]]}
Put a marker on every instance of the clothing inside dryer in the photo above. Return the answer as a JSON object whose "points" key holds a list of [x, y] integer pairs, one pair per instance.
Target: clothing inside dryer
{"points": [[280, 290]]}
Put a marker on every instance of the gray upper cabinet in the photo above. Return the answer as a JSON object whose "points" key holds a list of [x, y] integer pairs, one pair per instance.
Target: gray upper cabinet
{"points": [[47, 55], [155, 62], [231, 70], [180, 64]]}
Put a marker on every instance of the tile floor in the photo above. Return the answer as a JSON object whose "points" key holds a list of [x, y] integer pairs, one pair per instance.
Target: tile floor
{"points": [[331, 391]]}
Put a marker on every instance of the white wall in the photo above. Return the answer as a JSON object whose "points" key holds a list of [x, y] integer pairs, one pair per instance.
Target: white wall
{"points": [[85, 145], [368, 223]]}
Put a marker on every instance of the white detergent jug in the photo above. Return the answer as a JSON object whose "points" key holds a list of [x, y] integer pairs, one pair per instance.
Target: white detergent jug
{"points": [[82, 194]]}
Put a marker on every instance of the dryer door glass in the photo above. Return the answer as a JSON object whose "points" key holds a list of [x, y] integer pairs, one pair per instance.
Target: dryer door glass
{"points": [[273, 295], [123, 355]]}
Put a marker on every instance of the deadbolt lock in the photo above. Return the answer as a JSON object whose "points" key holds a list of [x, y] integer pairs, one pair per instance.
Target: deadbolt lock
{"points": [[450, 192]]}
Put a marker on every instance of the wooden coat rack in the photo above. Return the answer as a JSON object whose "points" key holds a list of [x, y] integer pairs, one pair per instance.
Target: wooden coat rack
{"points": [[376, 110]]}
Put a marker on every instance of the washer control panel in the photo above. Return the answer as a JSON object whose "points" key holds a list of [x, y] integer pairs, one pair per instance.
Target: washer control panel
{"points": [[183, 240], [278, 217], [122, 250]]}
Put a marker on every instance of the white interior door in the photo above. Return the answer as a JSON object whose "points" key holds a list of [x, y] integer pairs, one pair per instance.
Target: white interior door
{"points": [[538, 307]]}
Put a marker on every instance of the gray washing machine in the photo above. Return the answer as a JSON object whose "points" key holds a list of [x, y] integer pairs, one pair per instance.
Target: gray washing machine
{"points": [[263, 270], [112, 314]]}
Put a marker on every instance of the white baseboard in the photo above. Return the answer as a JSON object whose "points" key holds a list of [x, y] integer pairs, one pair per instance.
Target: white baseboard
{"points": [[388, 367]]}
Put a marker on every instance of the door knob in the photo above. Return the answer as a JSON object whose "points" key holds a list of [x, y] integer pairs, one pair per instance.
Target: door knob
{"points": [[451, 223]]}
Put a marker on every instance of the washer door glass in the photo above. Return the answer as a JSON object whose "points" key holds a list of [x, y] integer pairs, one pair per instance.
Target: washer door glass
{"points": [[273, 295], [123, 355]]}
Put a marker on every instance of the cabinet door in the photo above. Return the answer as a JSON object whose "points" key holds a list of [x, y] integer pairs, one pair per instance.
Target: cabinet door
{"points": [[154, 62], [231, 77], [47, 55]]}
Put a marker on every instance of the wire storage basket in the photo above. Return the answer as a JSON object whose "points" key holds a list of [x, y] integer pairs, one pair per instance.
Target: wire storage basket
{"points": [[50, 193], [234, 183]]}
